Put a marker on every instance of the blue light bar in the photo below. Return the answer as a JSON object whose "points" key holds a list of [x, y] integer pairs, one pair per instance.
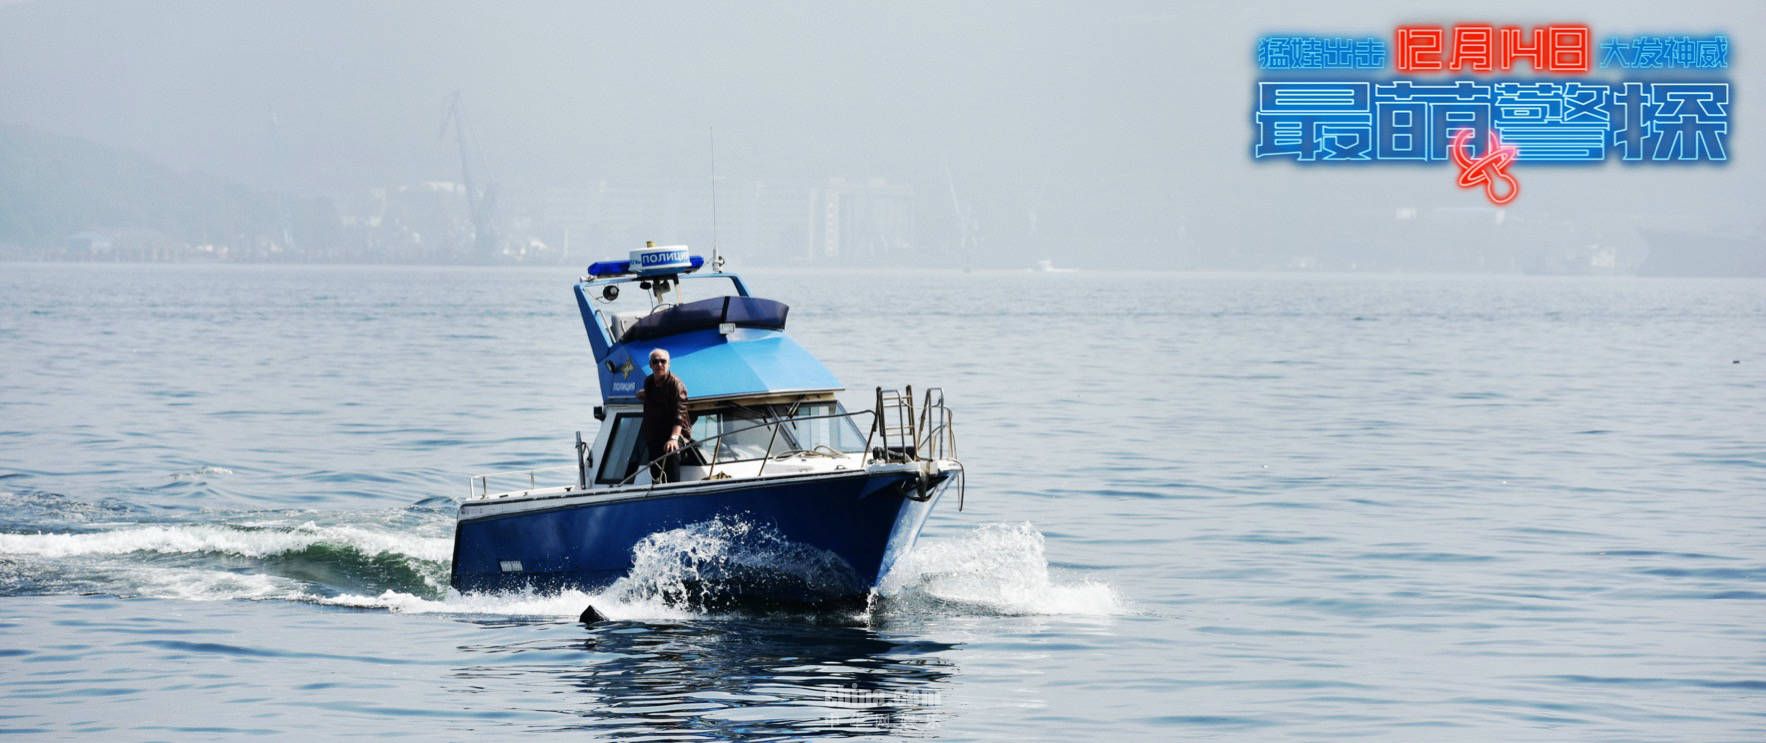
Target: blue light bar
{"points": [[610, 268]]}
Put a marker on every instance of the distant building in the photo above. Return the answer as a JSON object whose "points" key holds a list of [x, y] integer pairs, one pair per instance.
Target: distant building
{"points": [[90, 245], [869, 222], [760, 222]]}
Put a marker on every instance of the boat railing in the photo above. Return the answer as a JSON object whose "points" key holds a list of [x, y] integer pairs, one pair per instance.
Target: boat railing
{"points": [[930, 436], [936, 436], [899, 434], [894, 429], [773, 425], [905, 436], [480, 485], [936, 427]]}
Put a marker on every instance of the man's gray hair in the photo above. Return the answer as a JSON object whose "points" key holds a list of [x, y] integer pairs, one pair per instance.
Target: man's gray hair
{"points": [[663, 352]]}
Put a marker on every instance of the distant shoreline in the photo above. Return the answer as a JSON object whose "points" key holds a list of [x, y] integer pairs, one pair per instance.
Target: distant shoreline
{"points": [[1053, 279]]}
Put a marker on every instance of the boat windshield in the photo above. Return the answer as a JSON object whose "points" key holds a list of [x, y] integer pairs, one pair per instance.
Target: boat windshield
{"points": [[747, 432]]}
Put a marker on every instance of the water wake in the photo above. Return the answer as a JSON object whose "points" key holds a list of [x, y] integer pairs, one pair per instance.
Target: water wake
{"points": [[698, 571], [268, 557], [246, 541]]}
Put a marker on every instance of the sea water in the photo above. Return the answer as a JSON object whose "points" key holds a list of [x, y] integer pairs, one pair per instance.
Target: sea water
{"points": [[1199, 505]]}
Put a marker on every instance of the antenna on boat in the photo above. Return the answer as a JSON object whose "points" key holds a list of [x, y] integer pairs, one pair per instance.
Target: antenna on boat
{"points": [[717, 262]]}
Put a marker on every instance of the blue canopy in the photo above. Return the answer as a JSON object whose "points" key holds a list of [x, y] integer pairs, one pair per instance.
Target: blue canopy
{"points": [[745, 362]]}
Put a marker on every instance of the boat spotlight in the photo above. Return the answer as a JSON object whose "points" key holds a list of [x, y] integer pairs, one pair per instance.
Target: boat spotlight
{"points": [[610, 292]]}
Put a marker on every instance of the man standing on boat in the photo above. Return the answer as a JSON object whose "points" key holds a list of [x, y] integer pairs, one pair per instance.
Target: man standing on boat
{"points": [[665, 418]]}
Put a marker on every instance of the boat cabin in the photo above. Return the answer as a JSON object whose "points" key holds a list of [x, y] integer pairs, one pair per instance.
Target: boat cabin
{"points": [[759, 404]]}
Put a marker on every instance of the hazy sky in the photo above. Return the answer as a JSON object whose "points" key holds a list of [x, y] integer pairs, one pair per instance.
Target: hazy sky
{"points": [[1124, 118]]}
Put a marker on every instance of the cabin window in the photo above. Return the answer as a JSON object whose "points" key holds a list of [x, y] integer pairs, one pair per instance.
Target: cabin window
{"points": [[740, 433], [809, 430], [748, 432], [622, 444]]}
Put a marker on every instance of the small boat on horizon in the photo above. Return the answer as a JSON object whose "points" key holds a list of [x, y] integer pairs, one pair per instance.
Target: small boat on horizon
{"points": [[1048, 266], [770, 448]]}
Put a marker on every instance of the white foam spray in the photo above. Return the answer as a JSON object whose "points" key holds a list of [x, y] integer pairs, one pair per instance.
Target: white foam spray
{"points": [[1000, 569]]}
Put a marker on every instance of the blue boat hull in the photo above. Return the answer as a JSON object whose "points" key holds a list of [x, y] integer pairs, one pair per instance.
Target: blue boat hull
{"points": [[853, 525]]}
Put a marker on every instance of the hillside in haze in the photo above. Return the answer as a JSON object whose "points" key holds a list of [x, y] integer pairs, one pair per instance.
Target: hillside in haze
{"points": [[67, 198]]}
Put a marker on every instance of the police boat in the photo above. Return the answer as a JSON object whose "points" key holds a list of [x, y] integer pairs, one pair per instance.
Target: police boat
{"points": [[844, 493]]}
